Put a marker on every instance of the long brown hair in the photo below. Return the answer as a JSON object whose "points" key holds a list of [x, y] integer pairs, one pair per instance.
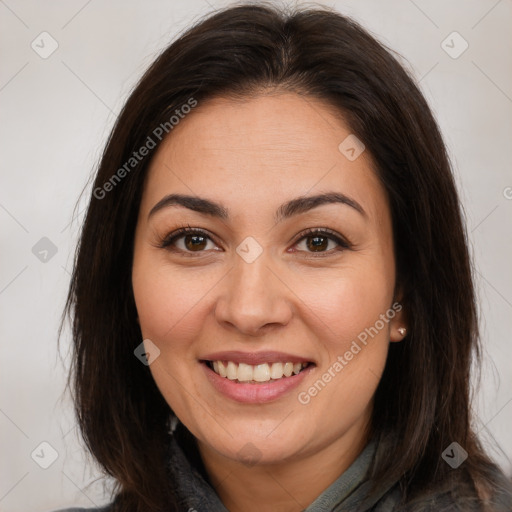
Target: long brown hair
{"points": [[422, 403]]}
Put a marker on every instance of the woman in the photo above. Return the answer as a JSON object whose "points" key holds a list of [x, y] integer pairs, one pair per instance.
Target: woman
{"points": [[272, 299]]}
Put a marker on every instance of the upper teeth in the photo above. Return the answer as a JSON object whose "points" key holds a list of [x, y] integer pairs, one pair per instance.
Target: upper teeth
{"points": [[259, 372]]}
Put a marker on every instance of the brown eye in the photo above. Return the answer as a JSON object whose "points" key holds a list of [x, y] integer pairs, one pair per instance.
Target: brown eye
{"points": [[195, 242], [321, 241], [317, 243], [188, 240]]}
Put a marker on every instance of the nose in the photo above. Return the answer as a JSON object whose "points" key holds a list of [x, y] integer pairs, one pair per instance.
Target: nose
{"points": [[254, 298]]}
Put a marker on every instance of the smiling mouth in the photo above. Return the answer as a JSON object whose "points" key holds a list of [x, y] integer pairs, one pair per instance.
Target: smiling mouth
{"points": [[256, 374]]}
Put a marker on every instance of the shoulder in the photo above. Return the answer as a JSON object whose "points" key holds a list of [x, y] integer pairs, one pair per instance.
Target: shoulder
{"points": [[452, 495]]}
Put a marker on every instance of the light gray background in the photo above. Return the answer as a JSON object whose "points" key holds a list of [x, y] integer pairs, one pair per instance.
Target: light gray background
{"points": [[56, 115]]}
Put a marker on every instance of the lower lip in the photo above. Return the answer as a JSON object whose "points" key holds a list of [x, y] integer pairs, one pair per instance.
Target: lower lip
{"points": [[259, 393]]}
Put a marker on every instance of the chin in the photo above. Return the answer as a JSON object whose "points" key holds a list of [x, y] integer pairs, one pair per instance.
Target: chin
{"points": [[253, 446]]}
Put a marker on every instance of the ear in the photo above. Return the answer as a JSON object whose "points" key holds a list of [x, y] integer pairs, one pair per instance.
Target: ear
{"points": [[398, 325]]}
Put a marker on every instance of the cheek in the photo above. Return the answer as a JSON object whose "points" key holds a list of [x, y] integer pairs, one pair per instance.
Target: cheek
{"points": [[169, 301], [171, 305], [354, 352], [341, 308], [350, 318]]}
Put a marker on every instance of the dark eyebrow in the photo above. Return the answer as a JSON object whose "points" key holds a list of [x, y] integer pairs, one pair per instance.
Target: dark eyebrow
{"points": [[286, 210], [194, 203], [306, 203]]}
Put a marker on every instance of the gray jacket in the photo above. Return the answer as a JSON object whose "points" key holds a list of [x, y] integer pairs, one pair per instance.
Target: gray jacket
{"points": [[346, 494]]}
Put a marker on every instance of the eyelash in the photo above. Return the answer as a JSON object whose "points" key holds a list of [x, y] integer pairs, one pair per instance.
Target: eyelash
{"points": [[343, 243]]}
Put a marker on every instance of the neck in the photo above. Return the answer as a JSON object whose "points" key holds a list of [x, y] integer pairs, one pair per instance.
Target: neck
{"points": [[289, 486]]}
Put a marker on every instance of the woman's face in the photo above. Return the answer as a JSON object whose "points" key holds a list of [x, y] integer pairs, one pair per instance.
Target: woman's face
{"points": [[253, 291]]}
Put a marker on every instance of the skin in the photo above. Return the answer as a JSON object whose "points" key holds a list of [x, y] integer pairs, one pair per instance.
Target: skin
{"points": [[251, 156]]}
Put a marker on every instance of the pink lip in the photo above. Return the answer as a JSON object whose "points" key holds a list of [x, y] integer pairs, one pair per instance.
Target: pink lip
{"points": [[254, 393], [254, 358]]}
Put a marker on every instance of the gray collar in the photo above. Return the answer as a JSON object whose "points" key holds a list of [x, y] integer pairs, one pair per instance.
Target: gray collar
{"points": [[347, 493]]}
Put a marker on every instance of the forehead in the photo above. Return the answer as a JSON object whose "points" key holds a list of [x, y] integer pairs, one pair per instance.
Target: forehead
{"points": [[260, 150]]}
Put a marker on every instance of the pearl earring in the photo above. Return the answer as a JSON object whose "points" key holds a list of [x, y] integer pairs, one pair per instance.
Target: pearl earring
{"points": [[402, 331]]}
